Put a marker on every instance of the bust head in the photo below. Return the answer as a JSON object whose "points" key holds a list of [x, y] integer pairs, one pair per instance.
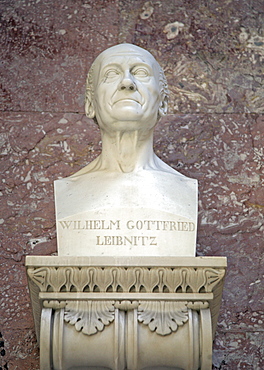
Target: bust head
{"points": [[125, 88]]}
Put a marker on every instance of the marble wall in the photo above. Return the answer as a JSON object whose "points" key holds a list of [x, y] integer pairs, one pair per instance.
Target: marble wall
{"points": [[212, 53]]}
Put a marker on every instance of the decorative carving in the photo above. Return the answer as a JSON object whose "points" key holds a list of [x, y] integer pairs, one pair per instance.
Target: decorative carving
{"points": [[126, 305], [163, 317], [56, 305], [200, 279], [140, 301], [122, 279], [89, 316], [174, 279], [197, 306]]}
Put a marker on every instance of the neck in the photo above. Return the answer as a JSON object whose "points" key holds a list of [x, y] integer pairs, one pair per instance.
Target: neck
{"points": [[127, 151]]}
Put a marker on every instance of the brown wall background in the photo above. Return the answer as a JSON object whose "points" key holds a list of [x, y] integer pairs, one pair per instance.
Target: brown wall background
{"points": [[214, 132]]}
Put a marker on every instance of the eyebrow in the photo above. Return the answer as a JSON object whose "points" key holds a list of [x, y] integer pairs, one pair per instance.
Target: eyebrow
{"points": [[117, 65]]}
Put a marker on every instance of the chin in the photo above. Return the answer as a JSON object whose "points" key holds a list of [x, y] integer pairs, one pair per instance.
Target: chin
{"points": [[128, 114]]}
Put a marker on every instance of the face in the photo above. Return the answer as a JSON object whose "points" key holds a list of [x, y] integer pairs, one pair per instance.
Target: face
{"points": [[126, 89]]}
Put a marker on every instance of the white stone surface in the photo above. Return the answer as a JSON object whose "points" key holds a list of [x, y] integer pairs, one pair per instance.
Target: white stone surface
{"points": [[144, 218], [127, 201]]}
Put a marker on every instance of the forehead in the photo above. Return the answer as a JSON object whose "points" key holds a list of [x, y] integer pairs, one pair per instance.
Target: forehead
{"points": [[125, 56]]}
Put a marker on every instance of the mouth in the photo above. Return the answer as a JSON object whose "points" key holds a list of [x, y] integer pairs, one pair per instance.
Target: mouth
{"points": [[129, 100]]}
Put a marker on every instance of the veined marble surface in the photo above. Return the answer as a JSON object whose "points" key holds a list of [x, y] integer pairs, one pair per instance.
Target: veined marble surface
{"points": [[214, 132]]}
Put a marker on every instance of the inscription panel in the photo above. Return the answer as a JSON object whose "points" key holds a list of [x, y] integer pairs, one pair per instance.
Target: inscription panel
{"points": [[126, 232]]}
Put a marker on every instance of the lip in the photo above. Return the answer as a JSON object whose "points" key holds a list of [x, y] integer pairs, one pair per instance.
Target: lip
{"points": [[127, 100]]}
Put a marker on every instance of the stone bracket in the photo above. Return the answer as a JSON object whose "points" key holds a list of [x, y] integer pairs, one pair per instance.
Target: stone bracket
{"points": [[129, 302]]}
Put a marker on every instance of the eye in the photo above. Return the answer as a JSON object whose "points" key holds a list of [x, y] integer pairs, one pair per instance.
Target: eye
{"points": [[111, 74], [140, 72]]}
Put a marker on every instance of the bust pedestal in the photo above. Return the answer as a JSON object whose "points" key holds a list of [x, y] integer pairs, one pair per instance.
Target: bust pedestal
{"points": [[125, 312]]}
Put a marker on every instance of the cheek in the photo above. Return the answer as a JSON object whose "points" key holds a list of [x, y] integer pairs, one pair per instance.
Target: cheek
{"points": [[153, 98], [105, 93], [100, 97], [152, 90]]}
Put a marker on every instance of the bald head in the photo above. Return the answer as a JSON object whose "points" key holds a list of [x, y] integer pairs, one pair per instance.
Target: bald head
{"points": [[127, 52]]}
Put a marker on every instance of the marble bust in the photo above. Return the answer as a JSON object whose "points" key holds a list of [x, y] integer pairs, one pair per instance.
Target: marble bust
{"points": [[127, 201]]}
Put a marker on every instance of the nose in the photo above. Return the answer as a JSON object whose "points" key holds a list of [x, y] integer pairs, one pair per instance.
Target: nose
{"points": [[127, 83]]}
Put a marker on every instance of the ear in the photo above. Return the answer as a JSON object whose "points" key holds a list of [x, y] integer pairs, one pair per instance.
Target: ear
{"points": [[163, 107], [89, 107]]}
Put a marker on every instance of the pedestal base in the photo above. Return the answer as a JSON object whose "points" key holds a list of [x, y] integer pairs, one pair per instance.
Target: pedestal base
{"points": [[121, 313]]}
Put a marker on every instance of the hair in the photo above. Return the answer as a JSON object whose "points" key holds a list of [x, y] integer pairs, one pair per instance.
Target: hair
{"points": [[164, 90], [89, 91]]}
